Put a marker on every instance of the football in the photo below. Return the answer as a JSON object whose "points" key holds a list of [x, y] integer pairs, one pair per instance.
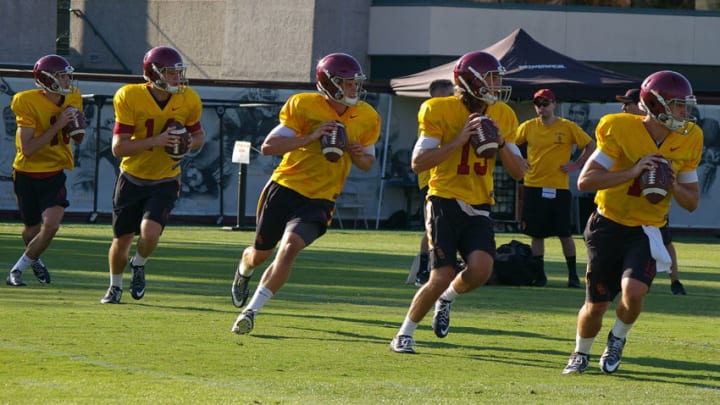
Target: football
{"points": [[77, 125], [333, 144], [485, 139], [178, 151], [656, 183]]}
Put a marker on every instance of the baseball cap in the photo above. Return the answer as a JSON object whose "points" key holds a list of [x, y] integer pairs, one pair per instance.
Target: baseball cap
{"points": [[630, 96], [544, 93]]}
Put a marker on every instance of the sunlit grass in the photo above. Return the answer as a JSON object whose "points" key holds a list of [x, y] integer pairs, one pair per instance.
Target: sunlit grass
{"points": [[323, 339]]}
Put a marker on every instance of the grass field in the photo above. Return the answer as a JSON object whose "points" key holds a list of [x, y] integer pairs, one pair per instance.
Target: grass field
{"points": [[324, 338]]}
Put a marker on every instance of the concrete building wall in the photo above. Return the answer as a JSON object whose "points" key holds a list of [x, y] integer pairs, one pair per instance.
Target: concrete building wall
{"points": [[658, 38], [279, 40], [20, 44]]}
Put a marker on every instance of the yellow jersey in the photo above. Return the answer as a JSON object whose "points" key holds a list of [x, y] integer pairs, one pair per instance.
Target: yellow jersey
{"points": [[463, 175], [423, 179], [548, 148], [624, 139], [137, 112], [33, 110], [305, 169]]}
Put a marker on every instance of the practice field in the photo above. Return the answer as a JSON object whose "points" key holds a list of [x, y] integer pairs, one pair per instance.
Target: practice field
{"points": [[324, 339]]}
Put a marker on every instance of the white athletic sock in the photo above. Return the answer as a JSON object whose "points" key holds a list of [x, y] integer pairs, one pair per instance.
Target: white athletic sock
{"points": [[245, 271], [138, 260], [23, 263], [621, 329], [116, 280], [450, 294], [259, 299], [583, 345], [407, 328]]}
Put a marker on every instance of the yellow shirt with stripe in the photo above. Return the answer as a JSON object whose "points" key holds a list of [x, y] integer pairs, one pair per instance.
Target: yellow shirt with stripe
{"points": [[33, 110], [624, 139], [305, 169], [548, 148], [135, 107], [463, 175]]}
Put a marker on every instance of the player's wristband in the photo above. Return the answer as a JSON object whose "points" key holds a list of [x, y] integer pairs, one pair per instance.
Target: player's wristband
{"points": [[502, 145]]}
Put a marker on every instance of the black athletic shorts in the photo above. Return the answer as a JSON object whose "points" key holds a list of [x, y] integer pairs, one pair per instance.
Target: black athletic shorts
{"points": [[281, 210], [35, 195], [132, 203], [544, 217], [615, 251], [451, 230]]}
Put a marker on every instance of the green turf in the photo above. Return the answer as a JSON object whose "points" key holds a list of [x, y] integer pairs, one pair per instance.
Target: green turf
{"points": [[324, 338]]}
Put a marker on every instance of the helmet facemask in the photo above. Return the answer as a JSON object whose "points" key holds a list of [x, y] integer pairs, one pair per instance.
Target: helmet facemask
{"points": [[53, 81], [486, 87], [677, 113], [337, 93], [170, 78]]}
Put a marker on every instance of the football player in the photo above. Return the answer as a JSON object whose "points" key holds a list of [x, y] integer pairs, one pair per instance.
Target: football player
{"points": [[460, 191], [623, 240], [296, 206], [149, 180], [43, 153], [631, 105]]}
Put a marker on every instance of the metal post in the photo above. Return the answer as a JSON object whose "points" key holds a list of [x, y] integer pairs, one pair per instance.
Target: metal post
{"points": [[242, 183], [220, 111], [99, 100]]}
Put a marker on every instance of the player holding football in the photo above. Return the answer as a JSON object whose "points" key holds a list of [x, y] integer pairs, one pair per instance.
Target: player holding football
{"points": [[460, 190], [149, 180], [43, 153], [296, 206], [631, 105], [624, 245]]}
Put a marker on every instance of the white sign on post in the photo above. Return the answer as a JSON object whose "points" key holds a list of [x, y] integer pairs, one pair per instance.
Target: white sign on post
{"points": [[241, 152]]}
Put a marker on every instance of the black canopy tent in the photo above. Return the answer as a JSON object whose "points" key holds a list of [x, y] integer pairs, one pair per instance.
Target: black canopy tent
{"points": [[530, 66]]}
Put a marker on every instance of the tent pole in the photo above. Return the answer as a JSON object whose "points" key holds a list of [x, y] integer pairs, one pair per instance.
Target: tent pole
{"points": [[384, 162]]}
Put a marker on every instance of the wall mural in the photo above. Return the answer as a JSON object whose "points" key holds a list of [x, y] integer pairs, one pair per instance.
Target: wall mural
{"points": [[209, 177]]}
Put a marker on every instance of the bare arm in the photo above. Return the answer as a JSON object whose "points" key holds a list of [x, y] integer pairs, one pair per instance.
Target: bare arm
{"points": [[424, 159], [580, 161], [278, 143], [687, 195], [197, 139], [595, 176], [360, 156], [124, 145]]}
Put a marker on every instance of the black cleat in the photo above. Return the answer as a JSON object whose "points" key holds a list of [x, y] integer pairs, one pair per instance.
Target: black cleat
{"points": [[574, 282], [112, 296], [441, 318], [577, 364], [41, 272], [15, 279], [403, 344], [677, 288], [610, 359], [245, 323], [137, 285], [240, 289]]}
